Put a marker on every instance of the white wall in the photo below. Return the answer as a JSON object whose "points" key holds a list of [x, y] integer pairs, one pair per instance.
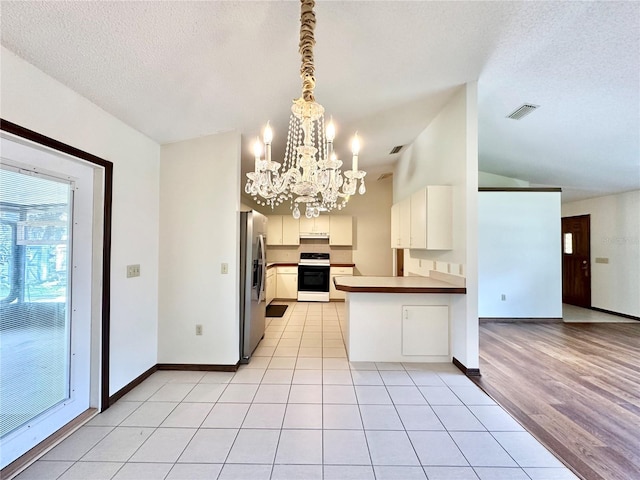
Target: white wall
{"points": [[519, 255], [446, 153], [492, 180], [199, 230], [372, 253], [615, 235], [32, 99]]}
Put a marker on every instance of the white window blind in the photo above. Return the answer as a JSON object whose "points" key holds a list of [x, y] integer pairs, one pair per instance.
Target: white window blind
{"points": [[35, 241]]}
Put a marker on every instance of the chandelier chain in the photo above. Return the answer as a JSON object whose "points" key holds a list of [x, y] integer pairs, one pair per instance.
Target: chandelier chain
{"points": [[307, 41]]}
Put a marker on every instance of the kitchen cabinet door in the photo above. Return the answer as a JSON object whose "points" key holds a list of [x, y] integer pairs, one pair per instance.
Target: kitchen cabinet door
{"points": [[321, 224], [338, 272], [419, 219], [314, 225], [395, 225], [272, 279], [306, 225], [282, 230], [431, 218], [274, 230], [425, 330], [405, 223], [287, 283], [290, 230], [341, 230]]}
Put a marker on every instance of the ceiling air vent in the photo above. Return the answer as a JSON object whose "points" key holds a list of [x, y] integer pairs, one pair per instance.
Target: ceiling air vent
{"points": [[396, 149], [385, 175], [522, 111]]}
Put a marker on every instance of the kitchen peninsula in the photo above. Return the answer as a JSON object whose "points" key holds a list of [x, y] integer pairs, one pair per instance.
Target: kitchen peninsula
{"points": [[399, 319]]}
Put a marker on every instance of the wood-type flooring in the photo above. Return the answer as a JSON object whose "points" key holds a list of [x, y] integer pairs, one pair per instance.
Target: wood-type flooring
{"points": [[576, 387]]}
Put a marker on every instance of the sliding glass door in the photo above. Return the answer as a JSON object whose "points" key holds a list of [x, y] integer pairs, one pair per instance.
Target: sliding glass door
{"points": [[46, 265], [35, 240]]}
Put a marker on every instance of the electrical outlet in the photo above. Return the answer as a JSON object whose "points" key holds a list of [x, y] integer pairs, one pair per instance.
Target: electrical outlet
{"points": [[224, 268], [133, 271], [503, 297], [198, 329]]}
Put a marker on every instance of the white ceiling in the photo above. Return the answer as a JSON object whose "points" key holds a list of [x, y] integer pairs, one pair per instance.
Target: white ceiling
{"points": [[178, 70]]}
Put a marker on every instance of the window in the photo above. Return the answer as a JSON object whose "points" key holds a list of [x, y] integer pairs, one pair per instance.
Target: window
{"points": [[568, 243]]}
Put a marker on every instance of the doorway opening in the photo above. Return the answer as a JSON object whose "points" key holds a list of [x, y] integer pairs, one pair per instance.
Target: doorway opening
{"points": [[399, 261]]}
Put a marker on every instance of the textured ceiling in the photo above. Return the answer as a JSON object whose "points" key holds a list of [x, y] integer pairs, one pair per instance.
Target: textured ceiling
{"points": [[178, 70]]}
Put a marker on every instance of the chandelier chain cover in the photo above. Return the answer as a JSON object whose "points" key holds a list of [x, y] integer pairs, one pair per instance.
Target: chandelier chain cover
{"points": [[310, 174], [307, 41]]}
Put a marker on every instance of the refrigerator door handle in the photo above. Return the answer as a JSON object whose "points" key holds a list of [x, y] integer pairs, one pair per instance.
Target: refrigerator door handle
{"points": [[262, 265]]}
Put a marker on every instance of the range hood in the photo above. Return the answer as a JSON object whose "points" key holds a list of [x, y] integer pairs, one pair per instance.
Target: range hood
{"points": [[313, 235]]}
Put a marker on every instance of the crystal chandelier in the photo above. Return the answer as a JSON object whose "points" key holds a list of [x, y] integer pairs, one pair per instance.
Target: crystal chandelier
{"points": [[311, 176]]}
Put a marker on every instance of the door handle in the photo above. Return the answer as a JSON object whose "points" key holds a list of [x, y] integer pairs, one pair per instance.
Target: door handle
{"points": [[585, 267]]}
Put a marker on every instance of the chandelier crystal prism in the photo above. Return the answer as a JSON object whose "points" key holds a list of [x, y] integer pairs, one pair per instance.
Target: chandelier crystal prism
{"points": [[310, 176]]}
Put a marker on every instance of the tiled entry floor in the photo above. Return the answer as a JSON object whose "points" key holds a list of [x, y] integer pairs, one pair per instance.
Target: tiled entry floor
{"points": [[299, 411]]}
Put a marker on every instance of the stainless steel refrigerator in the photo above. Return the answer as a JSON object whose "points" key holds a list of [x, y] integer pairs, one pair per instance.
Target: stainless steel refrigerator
{"points": [[253, 264]]}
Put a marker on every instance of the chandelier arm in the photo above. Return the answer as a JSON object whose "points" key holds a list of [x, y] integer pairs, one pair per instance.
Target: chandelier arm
{"points": [[307, 41]]}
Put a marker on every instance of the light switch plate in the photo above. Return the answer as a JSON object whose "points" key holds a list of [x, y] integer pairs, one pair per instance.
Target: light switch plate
{"points": [[133, 271], [224, 268]]}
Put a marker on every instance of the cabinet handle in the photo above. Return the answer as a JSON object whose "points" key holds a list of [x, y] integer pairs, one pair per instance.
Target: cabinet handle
{"points": [[406, 314]]}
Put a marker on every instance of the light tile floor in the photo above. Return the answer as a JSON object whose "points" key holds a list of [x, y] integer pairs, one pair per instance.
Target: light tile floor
{"points": [[299, 410], [573, 314]]}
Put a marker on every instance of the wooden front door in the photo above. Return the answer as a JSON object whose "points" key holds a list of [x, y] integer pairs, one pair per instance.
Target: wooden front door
{"points": [[576, 263]]}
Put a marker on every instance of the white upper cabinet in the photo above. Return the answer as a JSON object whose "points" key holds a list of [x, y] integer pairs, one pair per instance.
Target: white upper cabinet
{"points": [[309, 226], [282, 230], [286, 230], [290, 230], [431, 218], [405, 223], [395, 225], [274, 230], [419, 219], [401, 224], [424, 220], [341, 230]]}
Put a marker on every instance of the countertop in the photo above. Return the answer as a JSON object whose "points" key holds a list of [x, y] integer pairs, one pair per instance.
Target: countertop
{"points": [[280, 264], [285, 264], [365, 284]]}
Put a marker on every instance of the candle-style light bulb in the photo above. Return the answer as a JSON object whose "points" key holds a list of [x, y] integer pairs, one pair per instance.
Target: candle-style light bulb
{"points": [[331, 131], [267, 135], [355, 144], [355, 148]]}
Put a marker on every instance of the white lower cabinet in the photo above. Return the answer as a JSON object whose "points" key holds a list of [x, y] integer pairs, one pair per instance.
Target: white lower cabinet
{"points": [[338, 272], [270, 287], [425, 330], [287, 283], [397, 327]]}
